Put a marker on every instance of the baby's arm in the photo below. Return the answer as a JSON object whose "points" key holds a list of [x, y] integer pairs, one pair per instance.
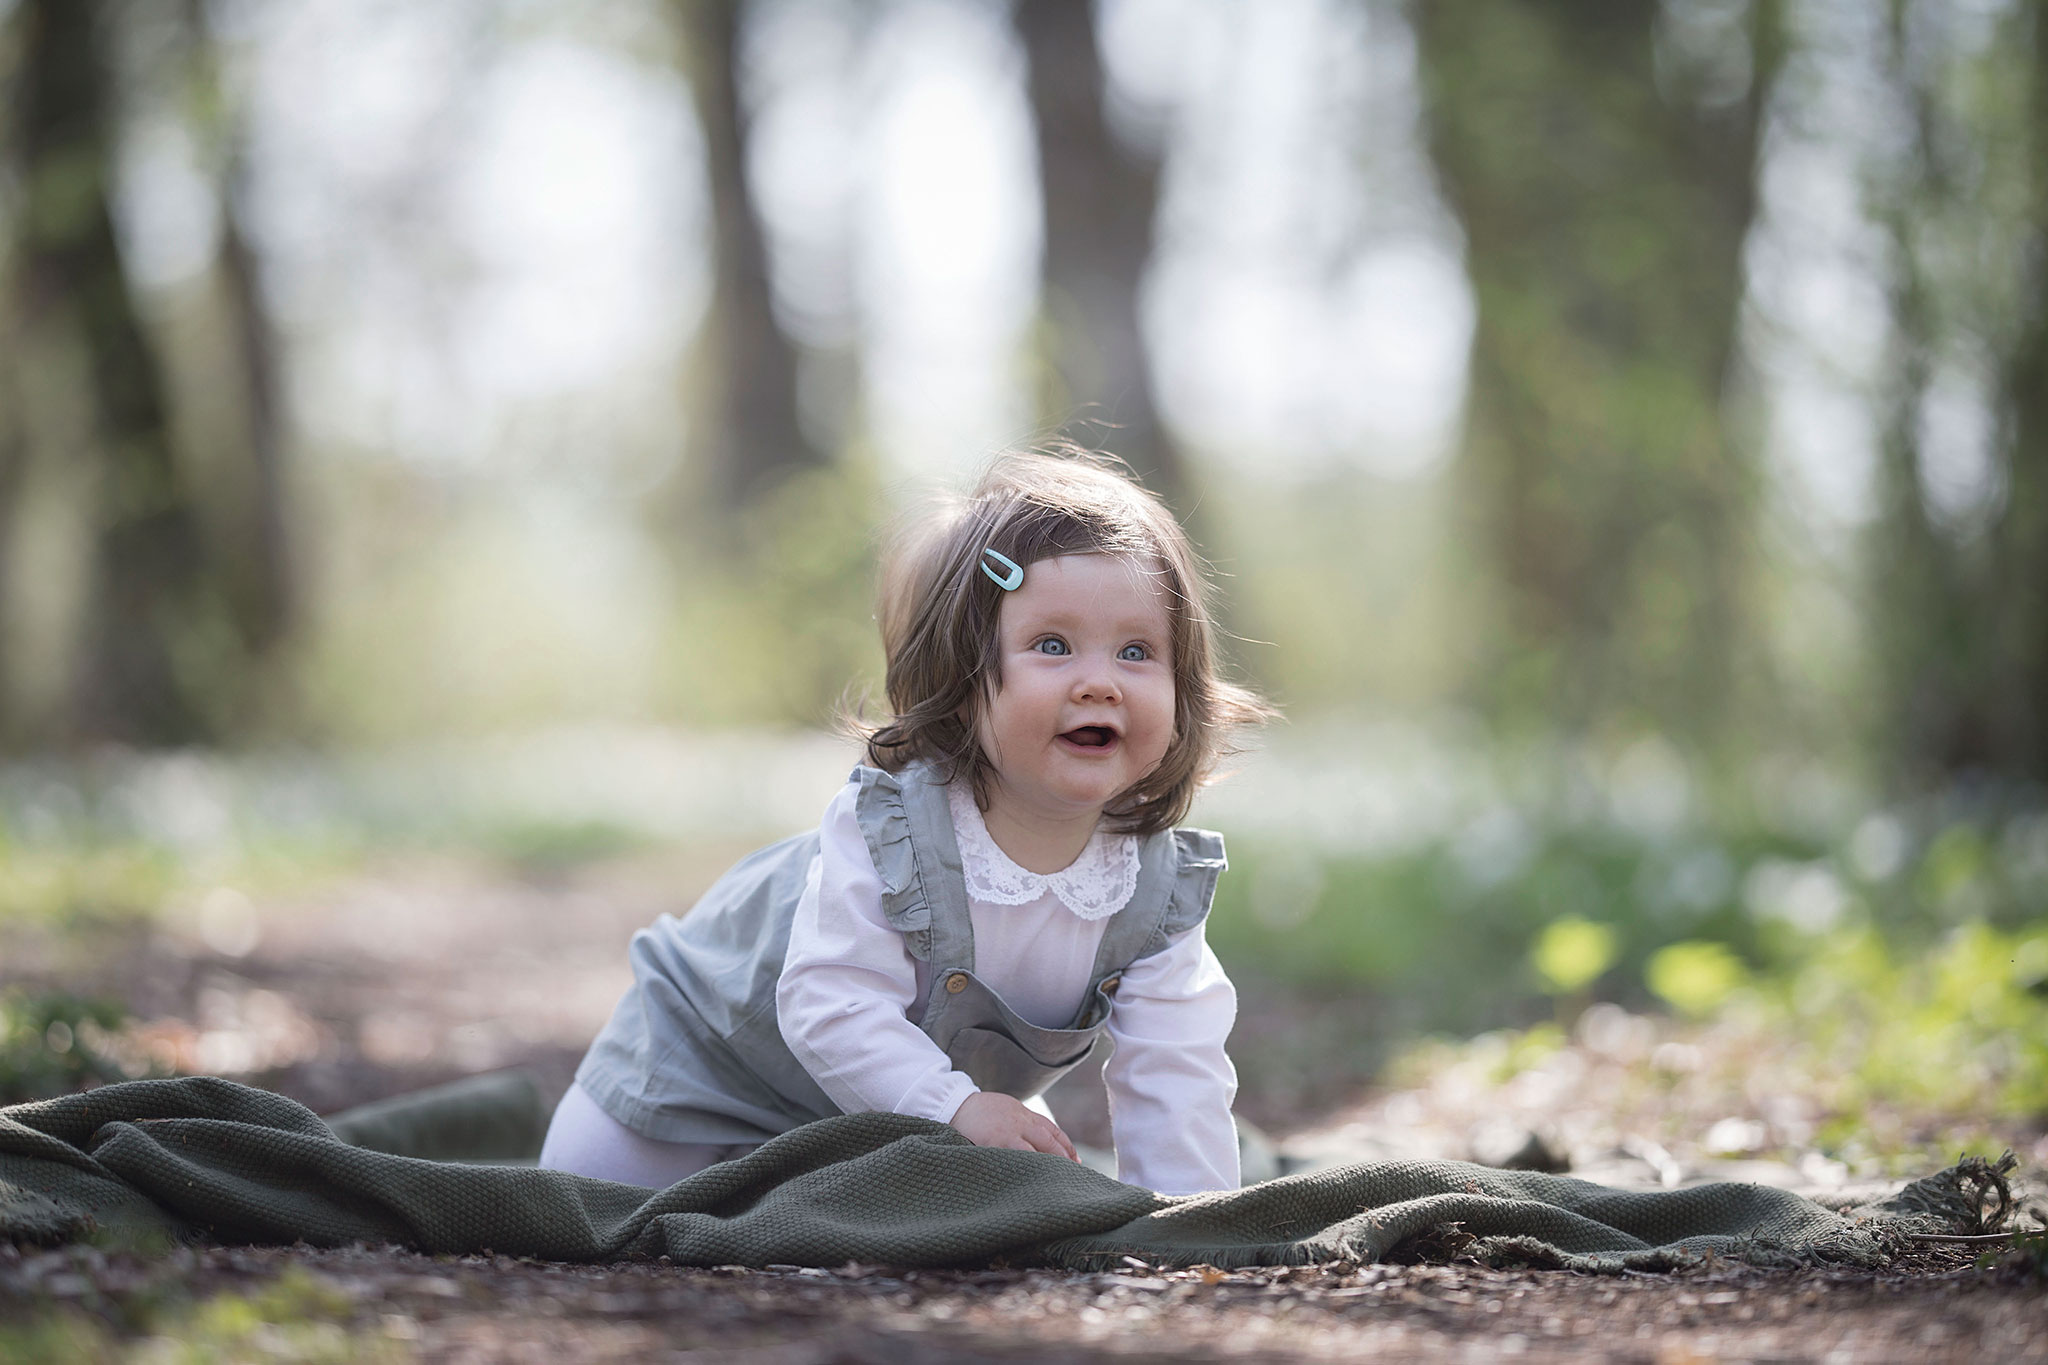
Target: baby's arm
{"points": [[1170, 1082], [847, 983]]}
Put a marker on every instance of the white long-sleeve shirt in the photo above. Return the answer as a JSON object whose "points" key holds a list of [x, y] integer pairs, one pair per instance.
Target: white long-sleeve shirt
{"points": [[851, 995]]}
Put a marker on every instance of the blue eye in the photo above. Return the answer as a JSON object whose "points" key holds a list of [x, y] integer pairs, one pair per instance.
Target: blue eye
{"points": [[1052, 644], [1134, 654]]}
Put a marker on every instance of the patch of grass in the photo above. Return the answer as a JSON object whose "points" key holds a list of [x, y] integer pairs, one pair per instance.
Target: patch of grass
{"points": [[1960, 1029], [297, 1317]]}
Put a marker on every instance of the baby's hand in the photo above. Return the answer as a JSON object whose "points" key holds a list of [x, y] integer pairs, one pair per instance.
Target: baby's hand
{"points": [[987, 1119]]}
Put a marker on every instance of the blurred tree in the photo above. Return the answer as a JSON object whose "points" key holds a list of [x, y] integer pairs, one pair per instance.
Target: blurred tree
{"points": [[782, 547], [140, 672], [746, 427], [261, 586], [1602, 163], [1099, 196], [13, 472], [248, 532], [2020, 538], [1961, 596], [13, 433]]}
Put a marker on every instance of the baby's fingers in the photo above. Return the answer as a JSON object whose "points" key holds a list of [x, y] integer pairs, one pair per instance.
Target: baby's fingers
{"points": [[1049, 1138]]}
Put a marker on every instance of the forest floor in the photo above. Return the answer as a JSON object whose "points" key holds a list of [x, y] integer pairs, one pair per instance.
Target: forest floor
{"points": [[430, 969]]}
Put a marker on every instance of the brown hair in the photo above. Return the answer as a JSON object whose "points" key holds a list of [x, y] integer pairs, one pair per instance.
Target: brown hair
{"points": [[939, 613]]}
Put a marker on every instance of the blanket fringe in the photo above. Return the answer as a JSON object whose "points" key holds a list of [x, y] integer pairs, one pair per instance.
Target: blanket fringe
{"points": [[1957, 1197]]}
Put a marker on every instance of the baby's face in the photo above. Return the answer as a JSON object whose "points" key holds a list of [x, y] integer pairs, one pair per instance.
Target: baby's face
{"points": [[1086, 704]]}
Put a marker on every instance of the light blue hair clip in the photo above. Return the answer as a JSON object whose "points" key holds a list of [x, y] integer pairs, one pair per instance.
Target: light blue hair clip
{"points": [[1008, 582]]}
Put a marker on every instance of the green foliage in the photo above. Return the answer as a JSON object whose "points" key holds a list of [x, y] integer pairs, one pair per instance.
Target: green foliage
{"points": [[1571, 953], [52, 1045], [1902, 1056], [1956, 862], [1958, 1029], [1457, 938], [1694, 977], [1466, 930]]}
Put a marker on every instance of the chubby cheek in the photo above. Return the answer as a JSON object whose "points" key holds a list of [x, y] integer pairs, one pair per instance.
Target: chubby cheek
{"points": [[1160, 733]]}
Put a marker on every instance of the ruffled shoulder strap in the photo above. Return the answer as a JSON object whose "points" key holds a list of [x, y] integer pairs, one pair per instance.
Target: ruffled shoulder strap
{"points": [[1200, 860], [1177, 875], [885, 826], [909, 833]]}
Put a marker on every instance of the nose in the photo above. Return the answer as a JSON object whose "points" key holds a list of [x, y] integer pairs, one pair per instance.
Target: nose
{"points": [[1097, 683]]}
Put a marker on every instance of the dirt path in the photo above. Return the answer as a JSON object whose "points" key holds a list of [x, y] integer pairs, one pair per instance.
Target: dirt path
{"points": [[403, 1305], [431, 970]]}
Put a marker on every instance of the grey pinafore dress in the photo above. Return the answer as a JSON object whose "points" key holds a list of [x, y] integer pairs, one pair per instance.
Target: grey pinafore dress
{"points": [[693, 1053]]}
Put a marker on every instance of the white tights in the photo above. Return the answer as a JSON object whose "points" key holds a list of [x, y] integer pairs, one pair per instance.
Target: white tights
{"points": [[584, 1140]]}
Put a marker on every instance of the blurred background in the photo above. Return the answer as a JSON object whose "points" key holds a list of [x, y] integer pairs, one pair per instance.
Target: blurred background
{"points": [[444, 451]]}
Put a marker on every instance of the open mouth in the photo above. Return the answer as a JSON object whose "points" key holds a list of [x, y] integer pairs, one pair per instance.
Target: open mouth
{"points": [[1090, 737]]}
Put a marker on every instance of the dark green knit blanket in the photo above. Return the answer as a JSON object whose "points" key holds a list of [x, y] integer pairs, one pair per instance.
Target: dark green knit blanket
{"points": [[202, 1158]]}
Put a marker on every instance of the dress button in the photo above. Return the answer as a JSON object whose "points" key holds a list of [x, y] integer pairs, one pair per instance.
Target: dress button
{"points": [[1109, 986], [956, 983]]}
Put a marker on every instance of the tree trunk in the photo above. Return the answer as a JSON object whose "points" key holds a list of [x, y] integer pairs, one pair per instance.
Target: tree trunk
{"points": [[148, 597], [13, 472], [1605, 224], [745, 421], [1099, 200], [247, 528], [1928, 631], [2020, 557], [260, 574], [2019, 545], [250, 533], [1961, 612]]}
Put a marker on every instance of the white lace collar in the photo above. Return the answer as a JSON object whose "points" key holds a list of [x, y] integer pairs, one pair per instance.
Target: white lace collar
{"points": [[1094, 886]]}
